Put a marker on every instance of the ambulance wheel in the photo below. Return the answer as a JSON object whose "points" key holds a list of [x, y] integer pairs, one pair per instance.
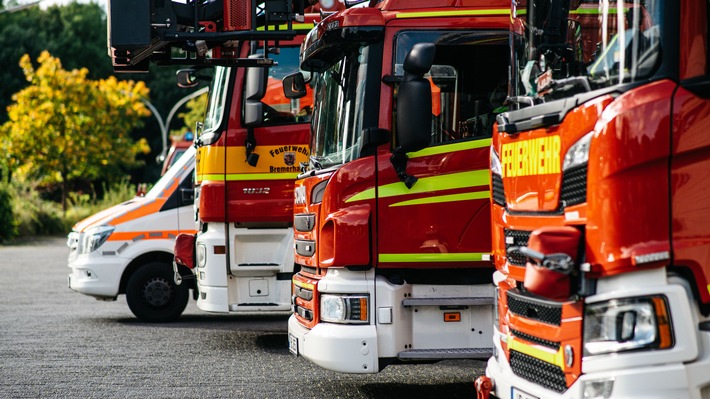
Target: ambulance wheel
{"points": [[152, 295]]}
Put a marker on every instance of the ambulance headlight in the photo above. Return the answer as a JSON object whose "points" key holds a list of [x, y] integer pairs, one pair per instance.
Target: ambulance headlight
{"points": [[578, 153], [627, 324], [346, 309], [94, 237]]}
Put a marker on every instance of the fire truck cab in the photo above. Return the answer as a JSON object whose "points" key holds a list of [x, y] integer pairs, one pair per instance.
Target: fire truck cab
{"points": [[600, 230], [391, 217]]}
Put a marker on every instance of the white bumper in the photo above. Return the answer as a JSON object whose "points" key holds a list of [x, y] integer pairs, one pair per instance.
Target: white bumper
{"points": [[342, 348], [95, 275]]}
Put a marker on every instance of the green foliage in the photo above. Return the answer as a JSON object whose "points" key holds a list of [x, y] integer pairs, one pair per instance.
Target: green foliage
{"points": [[64, 127], [8, 224], [195, 113], [84, 205], [34, 215]]}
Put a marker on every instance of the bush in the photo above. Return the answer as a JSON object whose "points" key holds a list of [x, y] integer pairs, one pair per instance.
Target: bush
{"points": [[35, 216], [85, 205], [8, 223]]}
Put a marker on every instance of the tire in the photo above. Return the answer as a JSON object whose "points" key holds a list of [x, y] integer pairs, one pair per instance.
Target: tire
{"points": [[152, 295]]}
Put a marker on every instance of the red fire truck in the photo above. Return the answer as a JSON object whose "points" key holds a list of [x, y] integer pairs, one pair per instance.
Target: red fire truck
{"points": [[600, 230], [391, 217], [249, 146]]}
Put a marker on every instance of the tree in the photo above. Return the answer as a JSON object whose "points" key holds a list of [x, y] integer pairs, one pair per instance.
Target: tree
{"points": [[64, 126]]}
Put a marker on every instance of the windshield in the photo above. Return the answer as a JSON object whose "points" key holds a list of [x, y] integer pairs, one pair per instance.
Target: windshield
{"points": [[187, 159], [565, 47], [217, 99], [340, 107]]}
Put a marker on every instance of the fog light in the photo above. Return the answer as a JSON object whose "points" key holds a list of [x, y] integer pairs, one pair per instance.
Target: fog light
{"points": [[598, 389]]}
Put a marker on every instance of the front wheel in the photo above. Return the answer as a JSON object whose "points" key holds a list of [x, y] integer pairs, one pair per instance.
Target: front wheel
{"points": [[152, 295]]}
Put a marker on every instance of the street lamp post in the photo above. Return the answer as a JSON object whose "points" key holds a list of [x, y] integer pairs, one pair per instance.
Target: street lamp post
{"points": [[165, 124]]}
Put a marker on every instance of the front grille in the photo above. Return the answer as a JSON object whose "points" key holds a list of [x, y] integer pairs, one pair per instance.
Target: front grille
{"points": [[535, 309], [540, 341], [303, 293], [498, 190], [305, 313], [574, 186], [539, 372], [516, 238]]}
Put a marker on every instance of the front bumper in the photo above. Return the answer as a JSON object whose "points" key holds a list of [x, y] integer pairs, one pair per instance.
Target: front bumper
{"points": [[661, 381], [96, 276], [342, 348]]}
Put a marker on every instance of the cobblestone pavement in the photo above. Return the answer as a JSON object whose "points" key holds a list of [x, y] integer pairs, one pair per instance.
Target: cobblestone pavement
{"points": [[57, 343]]}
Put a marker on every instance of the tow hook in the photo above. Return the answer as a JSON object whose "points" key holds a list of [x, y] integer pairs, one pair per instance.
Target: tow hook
{"points": [[177, 277], [484, 386]]}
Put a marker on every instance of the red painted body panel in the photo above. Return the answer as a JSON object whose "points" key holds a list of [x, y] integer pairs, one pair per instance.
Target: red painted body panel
{"points": [[693, 39], [627, 186], [690, 187]]}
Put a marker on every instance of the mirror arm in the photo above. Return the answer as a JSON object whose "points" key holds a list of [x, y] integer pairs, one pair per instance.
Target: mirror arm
{"points": [[399, 162], [250, 146]]}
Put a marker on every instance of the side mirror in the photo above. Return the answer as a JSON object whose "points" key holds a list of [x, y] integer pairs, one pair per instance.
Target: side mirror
{"points": [[186, 78], [255, 90], [294, 85], [414, 99]]}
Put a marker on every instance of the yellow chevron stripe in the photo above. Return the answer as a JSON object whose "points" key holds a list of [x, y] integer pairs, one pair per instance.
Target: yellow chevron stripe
{"points": [[445, 149], [249, 177], [544, 354], [445, 198]]}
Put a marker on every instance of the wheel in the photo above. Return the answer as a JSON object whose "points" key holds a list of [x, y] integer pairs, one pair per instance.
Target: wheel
{"points": [[152, 295]]}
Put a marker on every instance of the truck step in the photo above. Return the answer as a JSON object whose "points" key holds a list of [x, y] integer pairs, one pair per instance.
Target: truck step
{"points": [[705, 326], [441, 354], [462, 301]]}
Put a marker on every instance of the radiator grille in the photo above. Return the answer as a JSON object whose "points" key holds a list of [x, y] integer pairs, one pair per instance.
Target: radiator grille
{"points": [[536, 310], [539, 372], [574, 186], [540, 341], [498, 190], [516, 238]]}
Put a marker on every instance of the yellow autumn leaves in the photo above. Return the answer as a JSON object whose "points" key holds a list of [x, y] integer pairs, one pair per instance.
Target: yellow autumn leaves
{"points": [[64, 126]]}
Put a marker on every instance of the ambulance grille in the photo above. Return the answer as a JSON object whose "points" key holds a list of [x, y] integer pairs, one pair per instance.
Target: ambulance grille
{"points": [[539, 372], [534, 309], [574, 186], [498, 190], [516, 238]]}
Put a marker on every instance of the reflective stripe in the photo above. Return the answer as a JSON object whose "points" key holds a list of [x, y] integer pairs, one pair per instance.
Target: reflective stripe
{"points": [[433, 257], [444, 149], [302, 284], [708, 288], [546, 355], [445, 198], [457, 13], [249, 177], [427, 184], [147, 235]]}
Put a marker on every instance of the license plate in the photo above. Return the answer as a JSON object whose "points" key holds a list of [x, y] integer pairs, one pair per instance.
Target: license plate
{"points": [[518, 394], [293, 344]]}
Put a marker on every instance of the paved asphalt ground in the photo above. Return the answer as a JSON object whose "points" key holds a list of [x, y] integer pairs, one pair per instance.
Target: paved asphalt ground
{"points": [[57, 343]]}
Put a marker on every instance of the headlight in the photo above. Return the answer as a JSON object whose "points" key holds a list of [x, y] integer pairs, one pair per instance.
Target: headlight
{"points": [[201, 255], [93, 238], [344, 308], [495, 163], [578, 154], [627, 324]]}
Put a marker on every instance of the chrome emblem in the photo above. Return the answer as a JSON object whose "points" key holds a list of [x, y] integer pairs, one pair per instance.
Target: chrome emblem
{"points": [[257, 190]]}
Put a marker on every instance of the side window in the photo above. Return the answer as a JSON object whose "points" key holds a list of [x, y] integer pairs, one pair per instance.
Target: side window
{"points": [[468, 81]]}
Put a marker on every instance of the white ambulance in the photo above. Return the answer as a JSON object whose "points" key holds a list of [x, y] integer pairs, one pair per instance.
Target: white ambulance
{"points": [[128, 248]]}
